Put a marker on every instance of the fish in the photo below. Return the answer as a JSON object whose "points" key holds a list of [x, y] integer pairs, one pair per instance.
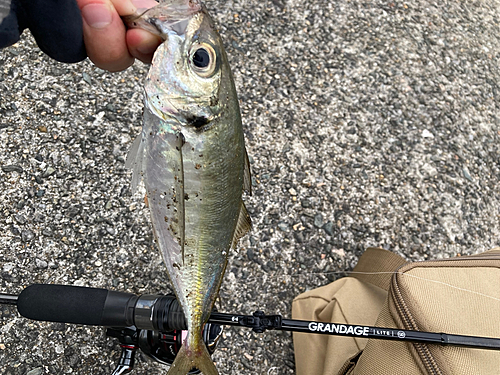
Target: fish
{"points": [[192, 158]]}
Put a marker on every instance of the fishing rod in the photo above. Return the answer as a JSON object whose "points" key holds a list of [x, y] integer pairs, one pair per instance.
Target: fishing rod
{"points": [[155, 324]]}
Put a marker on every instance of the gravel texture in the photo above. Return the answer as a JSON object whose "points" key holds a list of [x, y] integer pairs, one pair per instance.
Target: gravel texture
{"points": [[367, 122]]}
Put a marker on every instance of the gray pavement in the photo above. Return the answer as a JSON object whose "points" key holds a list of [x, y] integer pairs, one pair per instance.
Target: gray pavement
{"points": [[368, 123]]}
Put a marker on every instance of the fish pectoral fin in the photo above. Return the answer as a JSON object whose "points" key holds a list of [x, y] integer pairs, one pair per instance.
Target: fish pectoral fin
{"points": [[247, 176], [244, 225], [135, 159]]}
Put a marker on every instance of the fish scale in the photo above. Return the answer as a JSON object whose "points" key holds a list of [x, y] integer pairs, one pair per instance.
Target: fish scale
{"points": [[191, 155]]}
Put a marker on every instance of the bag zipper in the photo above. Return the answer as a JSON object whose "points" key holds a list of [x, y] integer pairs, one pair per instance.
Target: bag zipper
{"points": [[404, 313]]}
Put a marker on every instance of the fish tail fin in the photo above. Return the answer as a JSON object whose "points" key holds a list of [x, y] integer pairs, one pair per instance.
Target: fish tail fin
{"points": [[184, 362]]}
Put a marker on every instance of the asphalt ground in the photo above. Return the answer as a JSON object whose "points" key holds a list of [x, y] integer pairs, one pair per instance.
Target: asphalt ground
{"points": [[368, 123]]}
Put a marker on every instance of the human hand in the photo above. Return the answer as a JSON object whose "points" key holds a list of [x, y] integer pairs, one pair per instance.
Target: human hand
{"points": [[58, 27], [109, 45]]}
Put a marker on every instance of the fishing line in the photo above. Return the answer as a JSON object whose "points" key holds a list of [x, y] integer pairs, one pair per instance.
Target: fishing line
{"points": [[402, 274]]}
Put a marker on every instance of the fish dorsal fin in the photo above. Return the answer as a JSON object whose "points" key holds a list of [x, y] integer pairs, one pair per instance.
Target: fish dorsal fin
{"points": [[244, 225], [247, 176]]}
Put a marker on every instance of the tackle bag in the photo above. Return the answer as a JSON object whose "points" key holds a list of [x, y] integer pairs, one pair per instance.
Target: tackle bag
{"points": [[459, 295]]}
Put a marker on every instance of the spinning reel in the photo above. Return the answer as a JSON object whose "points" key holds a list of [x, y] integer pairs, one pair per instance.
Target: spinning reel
{"points": [[159, 346]]}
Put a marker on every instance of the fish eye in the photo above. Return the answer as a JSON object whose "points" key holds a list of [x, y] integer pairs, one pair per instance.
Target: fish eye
{"points": [[203, 60]]}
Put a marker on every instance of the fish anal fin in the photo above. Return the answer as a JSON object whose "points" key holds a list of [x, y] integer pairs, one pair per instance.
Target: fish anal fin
{"points": [[244, 225], [247, 176], [219, 298]]}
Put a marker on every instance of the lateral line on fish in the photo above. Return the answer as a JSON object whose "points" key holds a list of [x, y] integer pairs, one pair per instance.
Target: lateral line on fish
{"points": [[182, 226]]}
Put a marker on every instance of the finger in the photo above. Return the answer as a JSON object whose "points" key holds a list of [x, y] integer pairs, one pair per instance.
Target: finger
{"points": [[104, 35], [124, 7], [142, 44]]}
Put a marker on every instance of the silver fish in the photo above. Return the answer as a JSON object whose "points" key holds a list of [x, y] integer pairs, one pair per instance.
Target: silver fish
{"points": [[191, 155]]}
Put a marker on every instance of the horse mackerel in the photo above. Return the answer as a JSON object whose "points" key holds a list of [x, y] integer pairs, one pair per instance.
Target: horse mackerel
{"points": [[192, 158]]}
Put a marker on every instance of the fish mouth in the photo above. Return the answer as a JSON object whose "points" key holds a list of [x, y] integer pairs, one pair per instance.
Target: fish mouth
{"points": [[165, 18]]}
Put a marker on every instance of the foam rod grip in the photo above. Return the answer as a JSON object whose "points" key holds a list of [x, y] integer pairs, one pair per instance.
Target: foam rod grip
{"points": [[62, 303]]}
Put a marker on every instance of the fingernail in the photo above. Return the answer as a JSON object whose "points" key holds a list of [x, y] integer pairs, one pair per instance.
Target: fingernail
{"points": [[97, 16]]}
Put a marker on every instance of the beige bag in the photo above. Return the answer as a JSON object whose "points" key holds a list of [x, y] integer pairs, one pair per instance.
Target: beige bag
{"points": [[459, 295]]}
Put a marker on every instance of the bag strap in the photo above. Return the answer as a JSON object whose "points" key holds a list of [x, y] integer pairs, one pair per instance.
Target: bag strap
{"points": [[376, 266]]}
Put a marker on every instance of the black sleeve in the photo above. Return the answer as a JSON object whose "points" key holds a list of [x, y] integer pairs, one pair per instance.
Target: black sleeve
{"points": [[9, 27], [55, 24]]}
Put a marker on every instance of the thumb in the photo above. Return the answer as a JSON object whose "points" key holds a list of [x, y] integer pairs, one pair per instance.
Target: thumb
{"points": [[104, 33]]}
